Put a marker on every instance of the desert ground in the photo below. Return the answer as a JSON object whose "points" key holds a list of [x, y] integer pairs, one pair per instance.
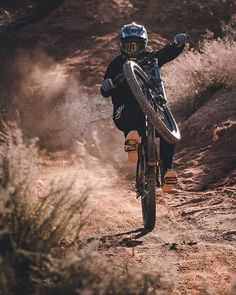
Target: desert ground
{"points": [[50, 82]]}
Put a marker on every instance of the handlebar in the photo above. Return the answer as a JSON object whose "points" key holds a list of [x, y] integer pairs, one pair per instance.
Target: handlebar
{"points": [[120, 77], [145, 61]]}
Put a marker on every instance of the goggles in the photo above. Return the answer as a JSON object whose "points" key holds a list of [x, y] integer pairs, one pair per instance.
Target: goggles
{"points": [[133, 48]]}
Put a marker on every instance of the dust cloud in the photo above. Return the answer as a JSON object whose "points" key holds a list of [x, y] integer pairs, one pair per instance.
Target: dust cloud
{"points": [[54, 108]]}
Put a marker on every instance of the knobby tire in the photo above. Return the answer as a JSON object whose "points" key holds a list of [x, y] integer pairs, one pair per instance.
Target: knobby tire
{"points": [[146, 181], [170, 133], [149, 200]]}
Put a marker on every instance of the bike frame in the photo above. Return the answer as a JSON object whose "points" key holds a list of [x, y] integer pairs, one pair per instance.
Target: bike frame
{"points": [[149, 164], [145, 82], [152, 146]]}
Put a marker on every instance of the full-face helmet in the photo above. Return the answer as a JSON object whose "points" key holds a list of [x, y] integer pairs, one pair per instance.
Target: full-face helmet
{"points": [[133, 40]]}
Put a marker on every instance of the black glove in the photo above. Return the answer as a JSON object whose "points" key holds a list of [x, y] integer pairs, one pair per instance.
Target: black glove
{"points": [[180, 39], [107, 85]]}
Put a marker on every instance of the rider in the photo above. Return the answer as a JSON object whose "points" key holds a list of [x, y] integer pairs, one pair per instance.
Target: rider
{"points": [[127, 115]]}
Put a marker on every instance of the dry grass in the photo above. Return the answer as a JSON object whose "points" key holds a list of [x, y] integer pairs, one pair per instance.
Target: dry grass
{"points": [[33, 231], [100, 277], [195, 75]]}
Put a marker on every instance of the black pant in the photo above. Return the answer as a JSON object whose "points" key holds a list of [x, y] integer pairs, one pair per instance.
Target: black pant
{"points": [[130, 117]]}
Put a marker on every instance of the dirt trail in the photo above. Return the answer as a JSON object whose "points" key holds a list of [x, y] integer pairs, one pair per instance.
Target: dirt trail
{"points": [[193, 244]]}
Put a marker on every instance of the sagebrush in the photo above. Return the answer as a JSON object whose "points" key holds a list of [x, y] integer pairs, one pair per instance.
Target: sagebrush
{"points": [[32, 229], [196, 74]]}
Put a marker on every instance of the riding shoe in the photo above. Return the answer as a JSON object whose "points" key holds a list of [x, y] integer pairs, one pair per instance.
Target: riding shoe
{"points": [[170, 181], [131, 146]]}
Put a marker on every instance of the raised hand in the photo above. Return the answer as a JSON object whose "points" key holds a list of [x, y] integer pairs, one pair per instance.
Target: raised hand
{"points": [[180, 39]]}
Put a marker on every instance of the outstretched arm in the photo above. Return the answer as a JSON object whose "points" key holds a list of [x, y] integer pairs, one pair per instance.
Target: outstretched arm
{"points": [[171, 50]]}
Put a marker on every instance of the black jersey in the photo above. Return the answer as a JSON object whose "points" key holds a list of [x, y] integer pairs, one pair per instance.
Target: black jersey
{"points": [[122, 93]]}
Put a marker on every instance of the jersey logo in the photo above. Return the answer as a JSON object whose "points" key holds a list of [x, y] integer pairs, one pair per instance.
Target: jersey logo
{"points": [[119, 111]]}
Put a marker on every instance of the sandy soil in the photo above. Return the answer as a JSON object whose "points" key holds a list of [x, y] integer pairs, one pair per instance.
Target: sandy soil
{"points": [[193, 244]]}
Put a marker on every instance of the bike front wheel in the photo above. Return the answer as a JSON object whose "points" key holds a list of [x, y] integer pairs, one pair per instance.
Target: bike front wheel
{"points": [[159, 116]]}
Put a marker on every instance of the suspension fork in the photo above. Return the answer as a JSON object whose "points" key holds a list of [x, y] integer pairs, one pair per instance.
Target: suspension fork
{"points": [[158, 81]]}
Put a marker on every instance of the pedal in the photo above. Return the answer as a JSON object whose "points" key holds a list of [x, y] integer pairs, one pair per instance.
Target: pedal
{"points": [[170, 181], [131, 146]]}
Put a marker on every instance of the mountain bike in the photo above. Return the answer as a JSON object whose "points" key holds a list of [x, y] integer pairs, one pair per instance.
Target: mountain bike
{"points": [[147, 86]]}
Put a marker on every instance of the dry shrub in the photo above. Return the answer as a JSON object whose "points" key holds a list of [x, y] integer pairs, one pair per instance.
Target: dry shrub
{"points": [[196, 74], [33, 230], [229, 28], [95, 273], [98, 276]]}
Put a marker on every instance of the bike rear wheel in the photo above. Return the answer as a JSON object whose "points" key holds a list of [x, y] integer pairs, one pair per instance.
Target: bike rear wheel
{"points": [[160, 117], [146, 186], [149, 201]]}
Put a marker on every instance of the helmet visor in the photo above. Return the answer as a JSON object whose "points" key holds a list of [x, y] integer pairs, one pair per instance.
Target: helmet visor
{"points": [[133, 47]]}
